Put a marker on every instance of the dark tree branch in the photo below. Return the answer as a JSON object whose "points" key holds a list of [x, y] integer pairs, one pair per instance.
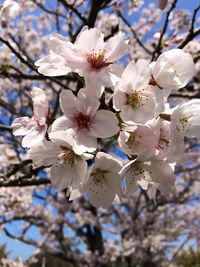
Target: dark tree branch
{"points": [[158, 48]]}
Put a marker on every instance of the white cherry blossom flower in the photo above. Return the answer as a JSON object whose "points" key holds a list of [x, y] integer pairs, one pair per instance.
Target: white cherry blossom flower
{"points": [[138, 140], [103, 182], [89, 56], [185, 123], [34, 128], [172, 70], [134, 97], [156, 172], [84, 118], [9, 9], [68, 162], [185, 119]]}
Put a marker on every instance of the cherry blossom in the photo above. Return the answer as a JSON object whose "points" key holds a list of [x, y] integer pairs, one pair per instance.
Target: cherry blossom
{"points": [[155, 172], [185, 119], [172, 70], [33, 128], [90, 57], [138, 140], [134, 97], [103, 182], [68, 162], [82, 115], [9, 9]]}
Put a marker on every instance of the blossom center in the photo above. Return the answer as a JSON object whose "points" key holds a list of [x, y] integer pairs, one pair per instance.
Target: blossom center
{"points": [[183, 123], [67, 155], [134, 139], [99, 176], [97, 60], [83, 121], [135, 98], [137, 170]]}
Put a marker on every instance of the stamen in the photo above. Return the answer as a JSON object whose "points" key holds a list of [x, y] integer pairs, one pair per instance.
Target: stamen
{"points": [[136, 98], [99, 176], [184, 123], [98, 60], [134, 140], [67, 155], [83, 121]]}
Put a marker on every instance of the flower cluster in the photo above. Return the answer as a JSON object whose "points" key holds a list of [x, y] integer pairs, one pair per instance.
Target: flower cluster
{"points": [[128, 105]]}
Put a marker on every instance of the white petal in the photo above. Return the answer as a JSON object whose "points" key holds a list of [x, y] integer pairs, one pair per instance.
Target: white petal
{"points": [[52, 65], [119, 99], [21, 126], [160, 172], [107, 162], [63, 175], [62, 124], [44, 154], [40, 105], [105, 124], [89, 40], [68, 103], [116, 47], [35, 136], [100, 194], [85, 141], [87, 103]]}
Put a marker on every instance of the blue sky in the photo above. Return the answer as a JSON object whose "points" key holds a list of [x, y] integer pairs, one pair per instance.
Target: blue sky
{"points": [[24, 251]]}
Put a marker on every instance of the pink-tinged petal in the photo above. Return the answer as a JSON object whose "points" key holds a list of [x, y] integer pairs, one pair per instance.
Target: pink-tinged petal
{"points": [[95, 82], [100, 194], [52, 65], [62, 138], [119, 99], [105, 124], [122, 141], [125, 168], [107, 162], [63, 175], [67, 139], [160, 172], [35, 136], [85, 141], [130, 74], [116, 47], [68, 103], [87, 103], [44, 153], [90, 40], [162, 4], [116, 71], [40, 105], [68, 51], [21, 126], [62, 124]]}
